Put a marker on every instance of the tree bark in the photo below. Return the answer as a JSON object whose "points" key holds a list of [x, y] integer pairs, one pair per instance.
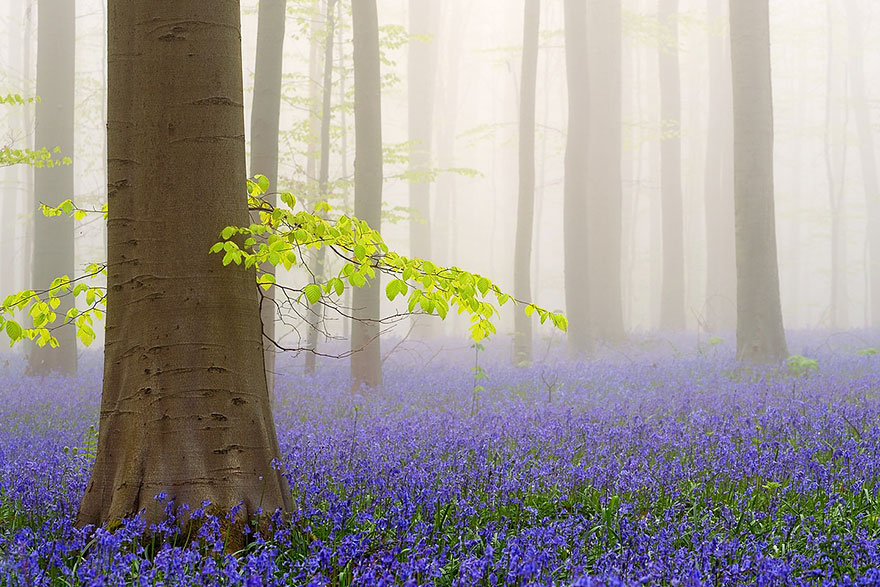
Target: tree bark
{"points": [[720, 240], [366, 364], [604, 189], [868, 154], [184, 406], [265, 115], [759, 332], [53, 245], [575, 221], [522, 280], [672, 294]]}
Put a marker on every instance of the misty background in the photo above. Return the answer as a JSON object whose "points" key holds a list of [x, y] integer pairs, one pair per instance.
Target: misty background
{"points": [[819, 180]]}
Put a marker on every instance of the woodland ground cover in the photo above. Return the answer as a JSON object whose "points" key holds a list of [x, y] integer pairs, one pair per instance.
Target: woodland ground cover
{"points": [[648, 465]]}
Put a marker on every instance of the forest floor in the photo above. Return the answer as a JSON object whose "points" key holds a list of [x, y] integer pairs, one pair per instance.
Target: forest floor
{"points": [[660, 463]]}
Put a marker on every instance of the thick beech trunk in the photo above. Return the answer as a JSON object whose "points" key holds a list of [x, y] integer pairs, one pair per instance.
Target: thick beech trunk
{"points": [[184, 407], [366, 364], [53, 243], [856, 74], [265, 115], [522, 268], [672, 293], [759, 332], [605, 192], [575, 241], [720, 240]]}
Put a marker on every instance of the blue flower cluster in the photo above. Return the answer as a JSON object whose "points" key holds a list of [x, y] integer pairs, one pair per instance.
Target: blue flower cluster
{"points": [[637, 468]]}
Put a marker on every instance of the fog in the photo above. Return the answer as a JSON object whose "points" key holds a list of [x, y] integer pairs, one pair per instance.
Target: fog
{"points": [[817, 46]]}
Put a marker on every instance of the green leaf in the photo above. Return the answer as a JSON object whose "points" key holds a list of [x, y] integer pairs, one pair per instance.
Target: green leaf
{"points": [[227, 232], [313, 292], [13, 331]]}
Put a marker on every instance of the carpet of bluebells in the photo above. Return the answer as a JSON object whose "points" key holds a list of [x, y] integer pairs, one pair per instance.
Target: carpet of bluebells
{"points": [[658, 463]]}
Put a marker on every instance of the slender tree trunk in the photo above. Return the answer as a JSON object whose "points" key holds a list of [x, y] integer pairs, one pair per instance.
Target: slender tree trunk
{"points": [[421, 77], [53, 246], [836, 152], [720, 240], [446, 184], [324, 173], [366, 365], [522, 281], [11, 188], [265, 116], [604, 222], [868, 153], [184, 406], [27, 246], [343, 140], [575, 241], [672, 294], [759, 332]]}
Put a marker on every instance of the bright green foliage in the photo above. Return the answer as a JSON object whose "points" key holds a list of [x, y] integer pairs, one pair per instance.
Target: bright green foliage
{"points": [[431, 289], [38, 308], [799, 365], [39, 158], [285, 235], [868, 352], [17, 100]]}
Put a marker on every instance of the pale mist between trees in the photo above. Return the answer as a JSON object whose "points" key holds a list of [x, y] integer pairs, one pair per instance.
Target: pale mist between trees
{"points": [[582, 161]]}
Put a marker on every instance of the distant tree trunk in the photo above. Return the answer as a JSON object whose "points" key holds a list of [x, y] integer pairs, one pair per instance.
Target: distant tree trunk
{"points": [[53, 247], [27, 246], [421, 77], [720, 239], [343, 142], [11, 190], [184, 405], [672, 295], [868, 155], [265, 115], [835, 153], [319, 256], [443, 220], [759, 332], [366, 365], [604, 189], [522, 282], [575, 221]]}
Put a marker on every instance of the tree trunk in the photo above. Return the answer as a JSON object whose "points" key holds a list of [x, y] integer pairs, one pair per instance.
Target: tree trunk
{"points": [[421, 76], [720, 240], [184, 406], [672, 293], [316, 311], [366, 365], [421, 82], [265, 115], [759, 332], [525, 210], [604, 222], [11, 188], [53, 246], [575, 225], [835, 156], [862, 114], [446, 184]]}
